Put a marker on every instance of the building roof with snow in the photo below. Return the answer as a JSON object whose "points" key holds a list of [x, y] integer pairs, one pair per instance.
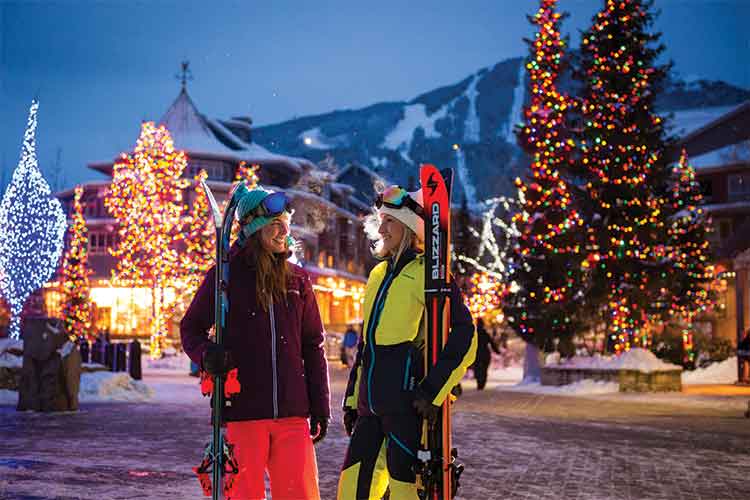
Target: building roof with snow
{"points": [[719, 150], [713, 140], [223, 140]]}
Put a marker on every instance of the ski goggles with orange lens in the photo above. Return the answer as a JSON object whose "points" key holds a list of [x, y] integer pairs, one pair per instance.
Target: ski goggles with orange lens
{"points": [[397, 197]]}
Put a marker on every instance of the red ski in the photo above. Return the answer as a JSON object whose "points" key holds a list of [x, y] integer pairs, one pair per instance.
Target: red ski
{"points": [[438, 472]]}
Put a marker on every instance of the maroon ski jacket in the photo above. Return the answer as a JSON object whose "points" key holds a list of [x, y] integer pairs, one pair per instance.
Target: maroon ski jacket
{"points": [[279, 353]]}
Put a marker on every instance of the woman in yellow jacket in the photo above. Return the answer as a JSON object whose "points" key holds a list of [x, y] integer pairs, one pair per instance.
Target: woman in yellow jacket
{"points": [[387, 392]]}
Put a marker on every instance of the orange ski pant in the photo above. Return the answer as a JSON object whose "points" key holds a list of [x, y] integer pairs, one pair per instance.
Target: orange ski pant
{"points": [[283, 448]]}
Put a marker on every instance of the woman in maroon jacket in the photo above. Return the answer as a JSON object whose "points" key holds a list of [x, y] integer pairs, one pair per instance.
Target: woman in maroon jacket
{"points": [[274, 337]]}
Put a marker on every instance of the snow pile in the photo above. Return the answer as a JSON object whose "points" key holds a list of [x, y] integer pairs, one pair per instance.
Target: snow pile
{"points": [[8, 360], [8, 397], [109, 386], [724, 372], [177, 362], [7, 344], [507, 374], [582, 388], [638, 359]]}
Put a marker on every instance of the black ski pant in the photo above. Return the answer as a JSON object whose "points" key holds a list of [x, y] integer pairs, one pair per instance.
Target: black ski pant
{"points": [[381, 454]]}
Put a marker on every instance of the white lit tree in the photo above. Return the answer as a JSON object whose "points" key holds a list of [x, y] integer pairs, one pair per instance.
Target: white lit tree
{"points": [[32, 228]]}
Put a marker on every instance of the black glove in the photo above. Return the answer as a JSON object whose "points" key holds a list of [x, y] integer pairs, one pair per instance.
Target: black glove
{"points": [[350, 418], [426, 410], [216, 360], [318, 428]]}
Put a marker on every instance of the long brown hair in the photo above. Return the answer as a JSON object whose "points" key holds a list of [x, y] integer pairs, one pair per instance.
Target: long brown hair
{"points": [[272, 272]]}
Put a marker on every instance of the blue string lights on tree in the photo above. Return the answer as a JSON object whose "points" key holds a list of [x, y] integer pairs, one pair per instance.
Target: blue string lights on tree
{"points": [[32, 228]]}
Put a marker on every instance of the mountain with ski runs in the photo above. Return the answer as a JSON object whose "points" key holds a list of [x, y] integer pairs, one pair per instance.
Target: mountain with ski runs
{"points": [[467, 126]]}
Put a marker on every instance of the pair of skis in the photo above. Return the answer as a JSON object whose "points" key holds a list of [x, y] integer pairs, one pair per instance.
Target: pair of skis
{"points": [[437, 469], [218, 457]]}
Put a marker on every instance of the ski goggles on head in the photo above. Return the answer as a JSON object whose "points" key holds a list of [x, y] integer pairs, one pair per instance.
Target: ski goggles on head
{"points": [[397, 197], [273, 205]]}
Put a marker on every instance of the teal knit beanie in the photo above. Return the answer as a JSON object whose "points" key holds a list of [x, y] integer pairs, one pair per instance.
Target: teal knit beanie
{"points": [[248, 200]]}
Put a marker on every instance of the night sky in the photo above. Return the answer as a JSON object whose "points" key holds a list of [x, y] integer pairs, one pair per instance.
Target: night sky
{"points": [[100, 68]]}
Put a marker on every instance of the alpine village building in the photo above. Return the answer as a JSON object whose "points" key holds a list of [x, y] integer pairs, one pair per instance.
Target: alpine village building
{"points": [[327, 222], [720, 153]]}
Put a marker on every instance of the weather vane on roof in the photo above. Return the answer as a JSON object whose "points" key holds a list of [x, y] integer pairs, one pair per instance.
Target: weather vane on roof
{"points": [[186, 74]]}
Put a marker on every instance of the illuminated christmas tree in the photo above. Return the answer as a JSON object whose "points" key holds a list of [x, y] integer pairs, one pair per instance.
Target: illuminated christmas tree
{"points": [[75, 275], [199, 239], [248, 174], [146, 199], [548, 301], [624, 170], [690, 253], [32, 230]]}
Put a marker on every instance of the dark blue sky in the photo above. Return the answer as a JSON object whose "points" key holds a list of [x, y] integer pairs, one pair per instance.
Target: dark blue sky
{"points": [[100, 68]]}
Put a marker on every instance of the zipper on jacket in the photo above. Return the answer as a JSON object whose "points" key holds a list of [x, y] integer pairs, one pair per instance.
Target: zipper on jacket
{"points": [[373, 324], [406, 371], [273, 363]]}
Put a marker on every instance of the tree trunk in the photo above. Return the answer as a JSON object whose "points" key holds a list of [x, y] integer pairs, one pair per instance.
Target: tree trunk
{"points": [[532, 368]]}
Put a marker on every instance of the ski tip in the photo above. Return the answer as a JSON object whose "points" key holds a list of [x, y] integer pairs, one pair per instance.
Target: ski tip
{"points": [[212, 203]]}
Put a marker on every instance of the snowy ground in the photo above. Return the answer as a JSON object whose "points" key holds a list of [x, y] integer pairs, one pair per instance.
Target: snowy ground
{"points": [[514, 441]]}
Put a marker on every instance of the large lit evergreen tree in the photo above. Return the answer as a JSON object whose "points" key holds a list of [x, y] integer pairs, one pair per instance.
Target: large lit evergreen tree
{"points": [[624, 169], [146, 199], [547, 302]]}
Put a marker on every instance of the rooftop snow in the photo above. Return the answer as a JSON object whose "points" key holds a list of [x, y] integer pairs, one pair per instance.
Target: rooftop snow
{"points": [[731, 154], [685, 122], [188, 129]]}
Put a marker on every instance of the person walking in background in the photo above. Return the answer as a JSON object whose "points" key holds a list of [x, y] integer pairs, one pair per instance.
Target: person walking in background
{"points": [[349, 346], [743, 356], [482, 364], [274, 337]]}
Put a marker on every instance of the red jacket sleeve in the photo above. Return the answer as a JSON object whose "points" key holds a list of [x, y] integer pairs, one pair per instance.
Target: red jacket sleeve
{"points": [[313, 354]]}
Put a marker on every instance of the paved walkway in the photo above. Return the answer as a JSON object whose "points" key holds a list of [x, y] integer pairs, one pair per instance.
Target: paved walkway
{"points": [[515, 446]]}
